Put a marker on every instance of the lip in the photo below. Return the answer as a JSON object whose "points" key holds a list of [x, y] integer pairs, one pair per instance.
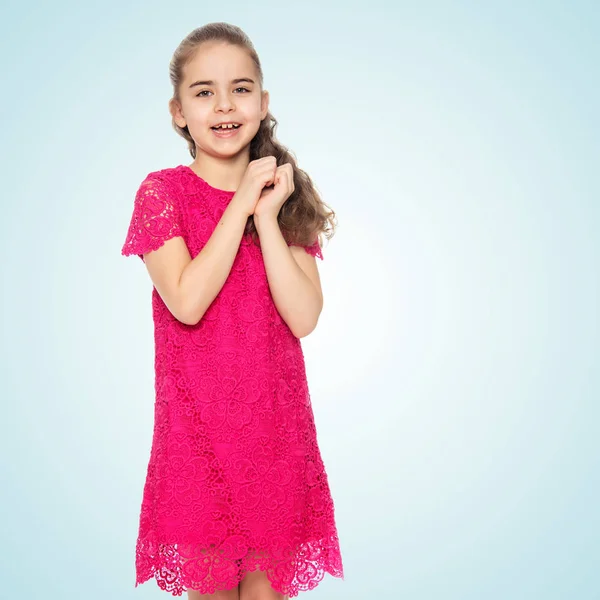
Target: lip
{"points": [[227, 133]]}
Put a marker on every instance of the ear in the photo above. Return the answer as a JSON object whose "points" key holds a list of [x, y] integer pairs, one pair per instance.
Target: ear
{"points": [[176, 112], [264, 104]]}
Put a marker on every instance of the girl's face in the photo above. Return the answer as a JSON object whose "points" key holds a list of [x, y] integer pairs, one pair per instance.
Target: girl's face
{"points": [[220, 84]]}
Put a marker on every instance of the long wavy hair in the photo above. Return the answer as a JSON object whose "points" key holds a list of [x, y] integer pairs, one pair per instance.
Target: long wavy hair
{"points": [[304, 218]]}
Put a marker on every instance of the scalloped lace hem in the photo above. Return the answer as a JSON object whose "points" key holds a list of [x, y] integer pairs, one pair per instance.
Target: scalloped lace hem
{"points": [[210, 571]]}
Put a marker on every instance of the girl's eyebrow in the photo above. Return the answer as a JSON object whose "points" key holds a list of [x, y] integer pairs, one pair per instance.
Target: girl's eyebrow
{"points": [[211, 82]]}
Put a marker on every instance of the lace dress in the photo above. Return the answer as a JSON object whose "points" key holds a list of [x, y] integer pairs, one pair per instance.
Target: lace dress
{"points": [[235, 479]]}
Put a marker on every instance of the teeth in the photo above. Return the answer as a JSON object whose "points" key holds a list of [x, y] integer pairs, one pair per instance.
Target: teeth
{"points": [[228, 126]]}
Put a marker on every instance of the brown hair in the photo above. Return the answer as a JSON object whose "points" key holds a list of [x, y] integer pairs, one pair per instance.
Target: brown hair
{"points": [[304, 216]]}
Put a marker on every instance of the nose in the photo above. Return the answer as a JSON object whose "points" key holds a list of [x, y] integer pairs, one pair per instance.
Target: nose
{"points": [[224, 103]]}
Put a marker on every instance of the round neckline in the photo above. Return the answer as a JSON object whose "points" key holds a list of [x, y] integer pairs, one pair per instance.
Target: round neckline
{"points": [[212, 187]]}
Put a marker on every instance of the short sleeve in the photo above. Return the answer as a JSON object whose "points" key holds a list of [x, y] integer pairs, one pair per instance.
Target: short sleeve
{"points": [[155, 218], [313, 249]]}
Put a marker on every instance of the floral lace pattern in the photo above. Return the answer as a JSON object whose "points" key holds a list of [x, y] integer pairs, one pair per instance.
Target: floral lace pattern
{"points": [[235, 480]]}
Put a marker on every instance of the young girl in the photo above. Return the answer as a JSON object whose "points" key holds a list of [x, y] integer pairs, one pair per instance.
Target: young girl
{"points": [[236, 502]]}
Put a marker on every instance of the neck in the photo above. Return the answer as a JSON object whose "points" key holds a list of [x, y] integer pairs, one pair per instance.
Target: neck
{"points": [[224, 174]]}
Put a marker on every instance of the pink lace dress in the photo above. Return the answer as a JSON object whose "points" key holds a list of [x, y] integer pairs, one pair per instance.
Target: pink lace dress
{"points": [[235, 479]]}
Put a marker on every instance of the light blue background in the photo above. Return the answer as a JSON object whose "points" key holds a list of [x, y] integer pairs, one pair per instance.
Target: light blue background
{"points": [[454, 372]]}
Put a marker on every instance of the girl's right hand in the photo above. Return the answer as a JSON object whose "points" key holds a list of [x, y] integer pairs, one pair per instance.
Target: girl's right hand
{"points": [[259, 173]]}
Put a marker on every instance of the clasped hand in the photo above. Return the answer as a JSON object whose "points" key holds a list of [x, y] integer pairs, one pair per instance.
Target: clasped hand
{"points": [[272, 199]]}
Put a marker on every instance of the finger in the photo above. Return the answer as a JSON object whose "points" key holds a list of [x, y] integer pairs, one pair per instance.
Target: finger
{"points": [[289, 170], [271, 176], [290, 175], [288, 182]]}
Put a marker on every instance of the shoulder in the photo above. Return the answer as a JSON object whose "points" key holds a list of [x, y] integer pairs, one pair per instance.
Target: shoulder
{"points": [[179, 180], [166, 175], [169, 182]]}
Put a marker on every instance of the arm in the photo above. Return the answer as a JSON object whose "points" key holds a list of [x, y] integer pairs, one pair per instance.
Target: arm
{"points": [[186, 286], [293, 278]]}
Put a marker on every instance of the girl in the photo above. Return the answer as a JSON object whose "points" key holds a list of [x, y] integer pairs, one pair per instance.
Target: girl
{"points": [[236, 502]]}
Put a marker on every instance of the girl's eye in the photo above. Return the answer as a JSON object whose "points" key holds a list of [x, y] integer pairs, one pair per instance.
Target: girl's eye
{"points": [[200, 94]]}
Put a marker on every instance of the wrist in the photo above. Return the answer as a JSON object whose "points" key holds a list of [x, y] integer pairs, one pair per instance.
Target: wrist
{"points": [[265, 221], [239, 207]]}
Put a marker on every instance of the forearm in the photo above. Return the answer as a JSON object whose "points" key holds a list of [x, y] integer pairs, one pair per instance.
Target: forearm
{"points": [[294, 294], [203, 278]]}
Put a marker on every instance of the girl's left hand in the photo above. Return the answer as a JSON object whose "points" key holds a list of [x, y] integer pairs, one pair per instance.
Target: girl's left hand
{"points": [[272, 199]]}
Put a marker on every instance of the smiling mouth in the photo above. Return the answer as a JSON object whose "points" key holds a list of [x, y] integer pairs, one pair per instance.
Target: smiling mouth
{"points": [[225, 128]]}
